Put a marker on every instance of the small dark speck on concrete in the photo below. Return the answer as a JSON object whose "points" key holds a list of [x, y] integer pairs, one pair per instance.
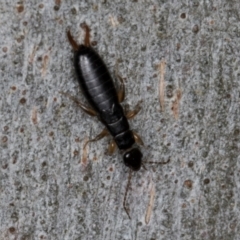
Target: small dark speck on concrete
{"points": [[139, 224], [44, 164], [190, 164], [4, 139], [56, 8], [169, 91], [22, 100], [204, 154], [4, 166], [74, 11], [39, 59], [20, 39], [51, 134], [206, 181], [95, 8], [183, 15], [75, 152], [27, 172], [184, 205], [178, 46], [195, 28], [188, 184], [14, 160], [12, 230], [5, 128], [120, 19], [14, 216], [44, 177], [20, 8], [236, 132], [85, 178]]}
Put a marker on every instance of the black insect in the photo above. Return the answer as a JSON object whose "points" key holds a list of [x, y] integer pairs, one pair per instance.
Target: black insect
{"points": [[104, 100]]}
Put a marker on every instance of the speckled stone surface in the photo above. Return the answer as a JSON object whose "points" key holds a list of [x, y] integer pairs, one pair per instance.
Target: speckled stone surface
{"points": [[181, 60]]}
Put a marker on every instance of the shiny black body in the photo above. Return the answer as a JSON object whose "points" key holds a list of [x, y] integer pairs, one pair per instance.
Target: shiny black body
{"points": [[98, 88]]}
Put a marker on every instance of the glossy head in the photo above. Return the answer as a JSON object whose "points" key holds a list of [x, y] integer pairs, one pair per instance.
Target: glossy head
{"points": [[133, 159]]}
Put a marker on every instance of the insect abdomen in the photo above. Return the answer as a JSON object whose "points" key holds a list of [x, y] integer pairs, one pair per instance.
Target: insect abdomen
{"points": [[94, 79], [97, 86]]}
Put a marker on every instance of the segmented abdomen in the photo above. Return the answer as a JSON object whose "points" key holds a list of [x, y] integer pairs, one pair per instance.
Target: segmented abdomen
{"points": [[98, 88], [95, 79]]}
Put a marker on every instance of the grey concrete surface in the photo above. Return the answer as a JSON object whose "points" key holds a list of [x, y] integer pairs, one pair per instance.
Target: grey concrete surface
{"points": [[181, 60]]}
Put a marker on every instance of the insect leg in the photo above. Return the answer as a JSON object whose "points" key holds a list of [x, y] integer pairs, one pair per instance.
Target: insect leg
{"points": [[72, 41], [86, 109], [101, 135], [125, 195], [111, 147], [121, 91], [137, 139], [131, 114]]}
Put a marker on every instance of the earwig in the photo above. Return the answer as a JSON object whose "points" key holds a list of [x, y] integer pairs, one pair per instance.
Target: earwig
{"points": [[105, 102]]}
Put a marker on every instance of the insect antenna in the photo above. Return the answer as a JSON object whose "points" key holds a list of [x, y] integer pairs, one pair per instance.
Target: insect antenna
{"points": [[125, 195]]}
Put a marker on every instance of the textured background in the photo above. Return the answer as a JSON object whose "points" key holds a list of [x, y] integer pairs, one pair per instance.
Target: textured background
{"points": [[182, 60]]}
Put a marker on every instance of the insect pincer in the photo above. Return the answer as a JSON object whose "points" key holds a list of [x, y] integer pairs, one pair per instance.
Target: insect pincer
{"points": [[73, 43]]}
